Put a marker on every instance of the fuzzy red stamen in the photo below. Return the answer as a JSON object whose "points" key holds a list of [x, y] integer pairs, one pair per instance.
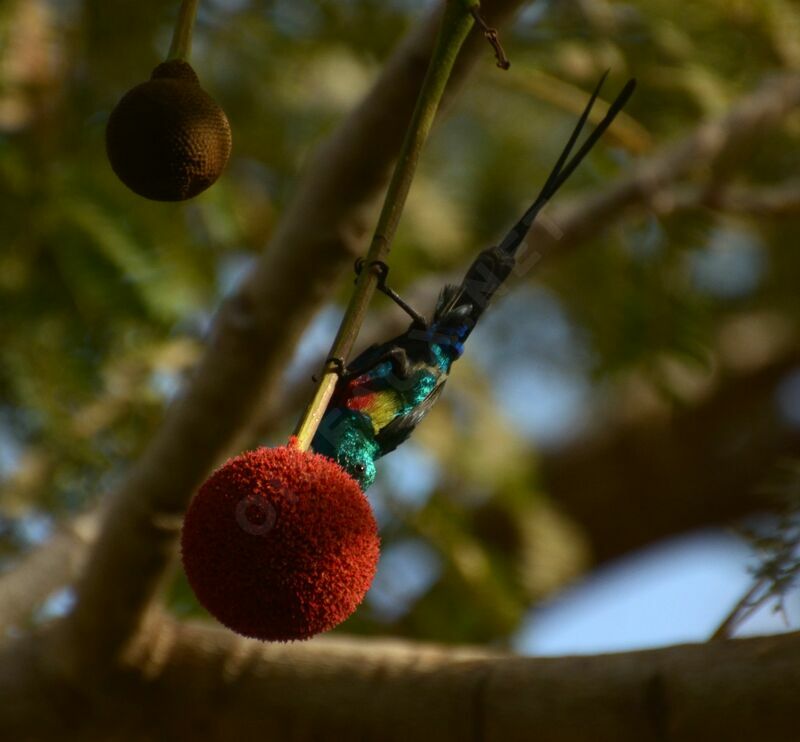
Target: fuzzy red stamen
{"points": [[280, 544]]}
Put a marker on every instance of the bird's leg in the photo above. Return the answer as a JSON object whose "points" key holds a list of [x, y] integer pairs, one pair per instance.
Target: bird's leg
{"points": [[382, 272]]}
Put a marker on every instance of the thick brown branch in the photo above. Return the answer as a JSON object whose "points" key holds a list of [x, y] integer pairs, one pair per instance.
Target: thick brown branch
{"points": [[658, 474], [332, 689]]}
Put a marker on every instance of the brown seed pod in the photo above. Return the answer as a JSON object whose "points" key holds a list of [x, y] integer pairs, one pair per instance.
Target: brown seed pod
{"points": [[167, 139]]}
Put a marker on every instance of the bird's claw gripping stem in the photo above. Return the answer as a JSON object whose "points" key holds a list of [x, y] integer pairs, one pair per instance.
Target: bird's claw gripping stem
{"points": [[382, 271], [334, 364]]}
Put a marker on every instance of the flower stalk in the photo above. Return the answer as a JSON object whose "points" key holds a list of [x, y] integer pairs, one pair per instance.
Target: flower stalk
{"points": [[181, 45]]}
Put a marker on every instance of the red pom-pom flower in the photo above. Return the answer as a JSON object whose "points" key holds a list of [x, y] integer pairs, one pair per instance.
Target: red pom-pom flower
{"points": [[280, 544]]}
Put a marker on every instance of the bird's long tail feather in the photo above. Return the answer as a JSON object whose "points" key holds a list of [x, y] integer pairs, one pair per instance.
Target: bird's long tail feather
{"points": [[464, 304], [564, 166]]}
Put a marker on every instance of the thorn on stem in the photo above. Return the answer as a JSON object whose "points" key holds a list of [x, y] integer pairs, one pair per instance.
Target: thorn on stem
{"points": [[491, 36]]}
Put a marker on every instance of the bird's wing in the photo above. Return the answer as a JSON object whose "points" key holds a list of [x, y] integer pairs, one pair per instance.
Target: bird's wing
{"points": [[364, 361], [376, 354], [374, 384], [400, 428], [383, 383]]}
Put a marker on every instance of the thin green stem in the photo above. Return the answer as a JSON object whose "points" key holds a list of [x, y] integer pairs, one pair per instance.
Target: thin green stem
{"points": [[456, 24], [182, 36]]}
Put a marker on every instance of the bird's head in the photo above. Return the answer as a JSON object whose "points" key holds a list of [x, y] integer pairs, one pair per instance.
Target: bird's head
{"points": [[347, 437]]}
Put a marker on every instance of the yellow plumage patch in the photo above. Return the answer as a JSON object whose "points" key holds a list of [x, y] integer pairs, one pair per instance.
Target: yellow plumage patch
{"points": [[383, 409]]}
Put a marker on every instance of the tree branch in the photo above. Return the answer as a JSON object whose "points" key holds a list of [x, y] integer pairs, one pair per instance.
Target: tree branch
{"points": [[56, 563], [652, 179], [773, 201], [658, 474], [337, 688]]}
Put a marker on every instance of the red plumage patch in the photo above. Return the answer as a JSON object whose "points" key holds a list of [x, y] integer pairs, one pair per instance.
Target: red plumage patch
{"points": [[280, 544], [361, 401]]}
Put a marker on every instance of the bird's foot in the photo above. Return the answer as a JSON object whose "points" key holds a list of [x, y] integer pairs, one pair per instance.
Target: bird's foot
{"points": [[333, 364], [382, 271]]}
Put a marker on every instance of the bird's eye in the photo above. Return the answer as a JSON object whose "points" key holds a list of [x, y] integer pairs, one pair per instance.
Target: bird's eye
{"points": [[360, 468]]}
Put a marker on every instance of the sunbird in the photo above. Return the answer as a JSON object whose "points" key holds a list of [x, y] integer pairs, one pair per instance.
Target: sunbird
{"points": [[382, 395]]}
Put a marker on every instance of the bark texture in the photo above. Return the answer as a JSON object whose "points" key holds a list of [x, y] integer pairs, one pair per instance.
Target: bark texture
{"points": [[187, 681]]}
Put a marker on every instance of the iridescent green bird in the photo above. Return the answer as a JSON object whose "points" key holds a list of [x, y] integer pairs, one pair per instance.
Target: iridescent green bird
{"points": [[384, 393]]}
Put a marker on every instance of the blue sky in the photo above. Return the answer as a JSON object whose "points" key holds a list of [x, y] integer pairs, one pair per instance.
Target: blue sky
{"points": [[674, 592]]}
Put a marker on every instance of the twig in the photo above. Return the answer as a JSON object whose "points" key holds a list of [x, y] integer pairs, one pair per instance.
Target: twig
{"points": [[181, 45], [652, 178], [456, 24], [491, 36], [739, 612], [626, 131]]}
